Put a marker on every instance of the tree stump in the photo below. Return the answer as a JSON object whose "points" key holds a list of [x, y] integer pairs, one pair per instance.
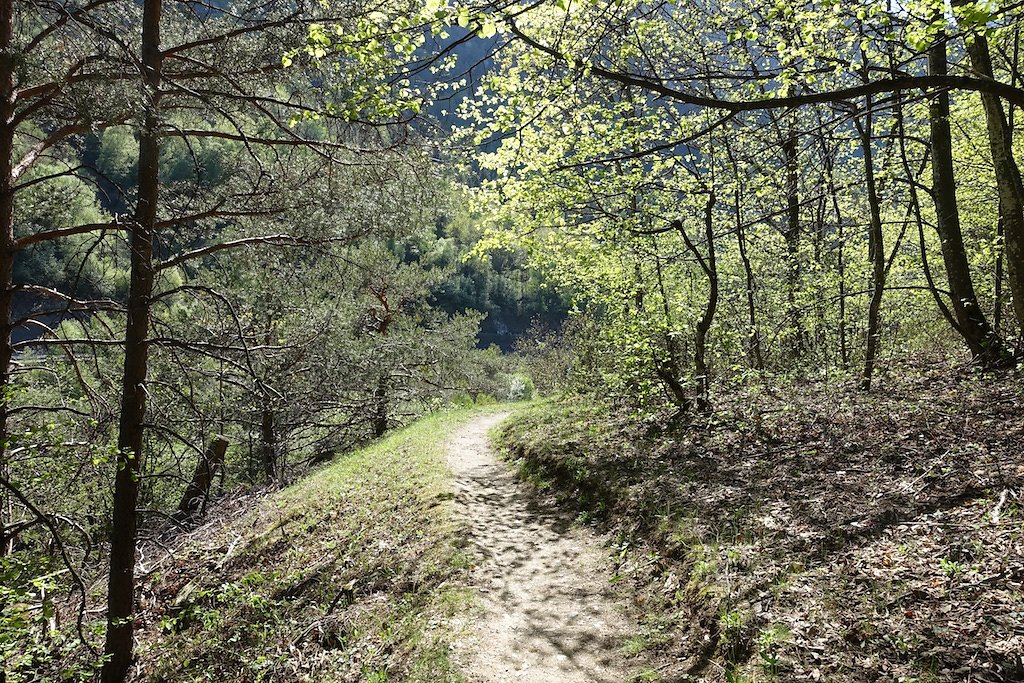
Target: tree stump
{"points": [[198, 490]]}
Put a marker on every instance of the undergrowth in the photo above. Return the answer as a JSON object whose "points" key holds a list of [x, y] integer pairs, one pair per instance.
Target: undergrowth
{"points": [[352, 574], [807, 534]]}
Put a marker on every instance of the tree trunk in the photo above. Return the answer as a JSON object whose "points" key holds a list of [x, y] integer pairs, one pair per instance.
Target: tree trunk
{"points": [[121, 584], [198, 491], [876, 251], [7, 251], [987, 348], [792, 236], [844, 353], [380, 407], [999, 276], [821, 326], [710, 267], [268, 443], [667, 366], [754, 332], [1008, 180]]}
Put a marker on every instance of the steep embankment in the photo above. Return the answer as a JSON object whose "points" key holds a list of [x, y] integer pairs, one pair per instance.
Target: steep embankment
{"points": [[812, 534], [349, 575]]}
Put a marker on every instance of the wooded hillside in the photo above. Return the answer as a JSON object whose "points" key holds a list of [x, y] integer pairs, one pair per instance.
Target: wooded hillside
{"points": [[239, 239]]}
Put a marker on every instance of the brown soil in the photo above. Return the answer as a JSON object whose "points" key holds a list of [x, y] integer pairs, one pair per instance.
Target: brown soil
{"points": [[548, 611]]}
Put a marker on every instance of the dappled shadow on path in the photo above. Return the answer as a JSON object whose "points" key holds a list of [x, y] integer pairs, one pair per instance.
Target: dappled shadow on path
{"points": [[549, 613]]}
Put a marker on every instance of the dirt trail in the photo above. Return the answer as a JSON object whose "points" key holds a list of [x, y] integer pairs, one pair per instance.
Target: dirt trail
{"points": [[549, 614]]}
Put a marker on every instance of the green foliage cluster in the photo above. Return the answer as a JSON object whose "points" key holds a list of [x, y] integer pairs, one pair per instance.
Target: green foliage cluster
{"points": [[29, 638], [695, 246], [500, 284]]}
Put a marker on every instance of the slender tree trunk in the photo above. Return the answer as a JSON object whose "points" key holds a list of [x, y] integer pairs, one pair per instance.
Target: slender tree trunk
{"points": [[7, 251], [876, 251], [754, 331], [844, 351], [999, 276], [915, 209], [791, 234], [667, 367], [121, 585], [710, 266], [380, 407], [268, 443], [198, 490], [820, 323], [981, 339], [844, 346], [1008, 179], [268, 427]]}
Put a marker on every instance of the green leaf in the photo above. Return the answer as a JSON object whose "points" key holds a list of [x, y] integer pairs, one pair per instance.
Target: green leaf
{"points": [[487, 28]]}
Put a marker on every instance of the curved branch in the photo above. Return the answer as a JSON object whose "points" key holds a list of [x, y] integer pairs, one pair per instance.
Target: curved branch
{"points": [[882, 85]]}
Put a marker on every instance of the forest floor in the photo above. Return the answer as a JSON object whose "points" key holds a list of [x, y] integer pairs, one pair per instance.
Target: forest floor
{"points": [[547, 611], [811, 532]]}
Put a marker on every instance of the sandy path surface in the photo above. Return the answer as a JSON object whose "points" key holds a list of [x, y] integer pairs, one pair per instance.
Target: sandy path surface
{"points": [[549, 614]]}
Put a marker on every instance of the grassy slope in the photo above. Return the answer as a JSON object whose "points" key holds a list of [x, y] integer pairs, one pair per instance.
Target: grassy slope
{"points": [[811, 535], [351, 574]]}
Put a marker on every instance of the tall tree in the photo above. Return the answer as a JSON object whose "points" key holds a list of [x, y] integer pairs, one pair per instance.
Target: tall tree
{"points": [[124, 517], [972, 323], [1007, 174], [228, 63], [876, 249]]}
